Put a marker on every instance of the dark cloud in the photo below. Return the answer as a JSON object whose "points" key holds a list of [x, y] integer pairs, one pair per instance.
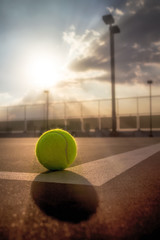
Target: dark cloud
{"points": [[143, 26], [88, 63], [134, 46]]}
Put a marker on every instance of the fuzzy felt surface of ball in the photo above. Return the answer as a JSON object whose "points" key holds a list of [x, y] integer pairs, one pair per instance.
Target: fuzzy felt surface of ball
{"points": [[56, 149]]}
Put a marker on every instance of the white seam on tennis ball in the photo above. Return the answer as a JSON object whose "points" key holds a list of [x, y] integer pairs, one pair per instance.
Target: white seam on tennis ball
{"points": [[66, 145]]}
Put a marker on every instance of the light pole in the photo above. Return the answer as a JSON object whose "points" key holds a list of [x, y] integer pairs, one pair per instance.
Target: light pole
{"points": [[47, 108], [150, 97], [109, 20]]}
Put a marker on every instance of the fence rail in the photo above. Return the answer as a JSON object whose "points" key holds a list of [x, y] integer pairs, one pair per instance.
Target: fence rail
{"points": [[132, 113]]}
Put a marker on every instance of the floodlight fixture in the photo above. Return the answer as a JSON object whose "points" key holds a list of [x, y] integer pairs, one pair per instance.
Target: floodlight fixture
{"points": [[46, 91], [108, 19], [149, 81], [115, 29]]}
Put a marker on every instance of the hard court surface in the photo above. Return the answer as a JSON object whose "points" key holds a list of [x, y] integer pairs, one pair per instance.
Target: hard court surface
{"points": [[111, 191]]}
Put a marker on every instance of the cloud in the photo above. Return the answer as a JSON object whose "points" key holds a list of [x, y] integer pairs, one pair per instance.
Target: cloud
{"points": [[6, 98], [134, 5], [116, 12], [88, 63], [136, 45], [86, 51], [80, 44], [119, 12], [139, 40]]}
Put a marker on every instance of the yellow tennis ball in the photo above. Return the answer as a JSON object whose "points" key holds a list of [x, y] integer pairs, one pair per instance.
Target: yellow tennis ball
{"points": [[56, 149]]}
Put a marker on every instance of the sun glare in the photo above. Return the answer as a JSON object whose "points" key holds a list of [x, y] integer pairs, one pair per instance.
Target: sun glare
{"points": [[44, 71]]}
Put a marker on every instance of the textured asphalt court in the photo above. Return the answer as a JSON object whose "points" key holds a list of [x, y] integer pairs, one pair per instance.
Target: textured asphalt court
{"points": [[112, 191]]}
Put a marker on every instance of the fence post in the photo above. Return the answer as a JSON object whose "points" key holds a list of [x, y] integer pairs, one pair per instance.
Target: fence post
{"points": [[65, 116], [118, 115], [82, 121], [25, 119], [138, 119], [99, 116], [7, 116]]}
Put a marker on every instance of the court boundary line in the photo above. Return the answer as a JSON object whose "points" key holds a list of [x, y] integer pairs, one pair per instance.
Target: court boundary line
{"points": [[95, 173]]}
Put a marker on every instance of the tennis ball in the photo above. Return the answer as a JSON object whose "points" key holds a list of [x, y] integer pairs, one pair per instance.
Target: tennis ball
{"points": [[56, 149]]}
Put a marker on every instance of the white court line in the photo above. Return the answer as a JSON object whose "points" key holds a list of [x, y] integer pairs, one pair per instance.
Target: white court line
{"points": [[101, 171], [95, 172]]}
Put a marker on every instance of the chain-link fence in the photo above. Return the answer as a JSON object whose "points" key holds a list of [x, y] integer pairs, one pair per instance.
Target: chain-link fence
{"points": [[131, 114]]}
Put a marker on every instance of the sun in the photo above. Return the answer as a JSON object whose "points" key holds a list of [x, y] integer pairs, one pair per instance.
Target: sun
{"points": [[44, 70]]}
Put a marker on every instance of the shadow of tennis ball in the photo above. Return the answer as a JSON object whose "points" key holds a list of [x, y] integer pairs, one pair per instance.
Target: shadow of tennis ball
{"points": [[73, 201]]}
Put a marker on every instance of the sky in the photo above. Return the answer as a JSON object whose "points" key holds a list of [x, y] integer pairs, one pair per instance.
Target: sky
{"points": [[63, 46]]}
